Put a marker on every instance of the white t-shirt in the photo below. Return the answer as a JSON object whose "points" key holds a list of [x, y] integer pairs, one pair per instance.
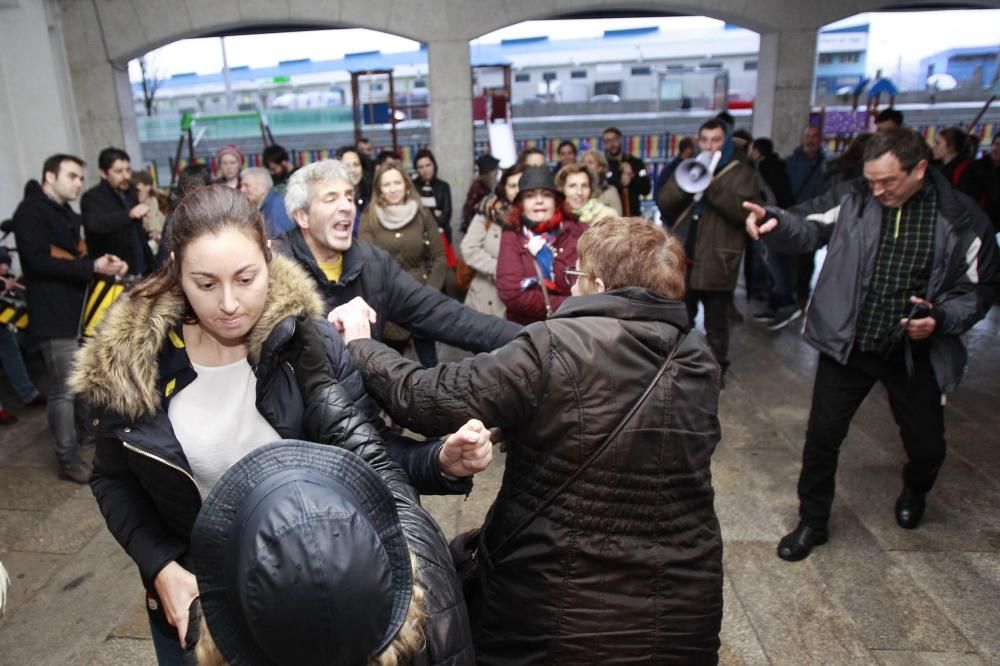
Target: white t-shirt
{"points": [[215, 419]]}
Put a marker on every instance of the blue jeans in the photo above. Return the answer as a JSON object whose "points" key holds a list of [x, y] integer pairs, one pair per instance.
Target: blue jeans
{"points": [[754, 268], [781, 280], [58, 354], [13, 366]]}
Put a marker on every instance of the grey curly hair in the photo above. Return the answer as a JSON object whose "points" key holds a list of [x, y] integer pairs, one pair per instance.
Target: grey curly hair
{"points": [[298, 194]]}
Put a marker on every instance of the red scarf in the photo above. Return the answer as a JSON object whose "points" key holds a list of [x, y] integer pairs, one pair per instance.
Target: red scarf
{"points": [[549, 224]]}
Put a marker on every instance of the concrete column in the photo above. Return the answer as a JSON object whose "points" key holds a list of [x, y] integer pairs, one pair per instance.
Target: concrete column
{"points": [[100, 87], [785, 68], [37, 113], [451, 116]]}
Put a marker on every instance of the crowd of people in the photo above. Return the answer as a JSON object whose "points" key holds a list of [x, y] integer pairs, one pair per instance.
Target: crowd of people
{"points": [[247, 397]]}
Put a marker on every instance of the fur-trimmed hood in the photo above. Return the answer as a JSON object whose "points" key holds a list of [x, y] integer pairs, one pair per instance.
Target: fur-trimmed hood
{"points": [[118, 369]]}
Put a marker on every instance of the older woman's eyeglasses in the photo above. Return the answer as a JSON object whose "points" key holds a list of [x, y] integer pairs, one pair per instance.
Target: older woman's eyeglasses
{"points": [[573, 275]]}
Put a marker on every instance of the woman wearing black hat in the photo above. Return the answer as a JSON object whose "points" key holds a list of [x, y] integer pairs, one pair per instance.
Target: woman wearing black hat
{"points": [[202, 363], [536, 248], [280, 583]]}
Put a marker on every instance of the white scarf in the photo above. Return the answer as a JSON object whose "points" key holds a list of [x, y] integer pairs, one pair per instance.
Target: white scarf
{"points": [[398, 216]]}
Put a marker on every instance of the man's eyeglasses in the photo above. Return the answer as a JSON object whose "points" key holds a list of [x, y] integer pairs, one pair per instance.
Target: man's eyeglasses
{"points": [[573, 275]]}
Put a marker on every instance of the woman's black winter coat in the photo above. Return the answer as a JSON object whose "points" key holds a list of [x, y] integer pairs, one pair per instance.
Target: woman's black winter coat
{"points": [[625, 565], [143, 482]]}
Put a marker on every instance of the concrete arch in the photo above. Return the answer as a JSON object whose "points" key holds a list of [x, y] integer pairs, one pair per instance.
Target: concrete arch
{"points": [[133, 27], [87, 44]]}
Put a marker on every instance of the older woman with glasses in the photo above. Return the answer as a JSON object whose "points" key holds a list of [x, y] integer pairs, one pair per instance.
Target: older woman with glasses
{"points": [[602, 545]]}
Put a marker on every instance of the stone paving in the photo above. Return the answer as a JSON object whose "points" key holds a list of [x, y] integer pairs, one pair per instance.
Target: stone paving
{"points": [[875, 594]]}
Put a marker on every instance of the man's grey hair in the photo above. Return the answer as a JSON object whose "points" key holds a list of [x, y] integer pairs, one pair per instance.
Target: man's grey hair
{"points": [[260, 173], [298, 194]]}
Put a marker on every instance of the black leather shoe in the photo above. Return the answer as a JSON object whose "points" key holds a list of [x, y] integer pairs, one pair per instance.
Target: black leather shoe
{"points": [[910, 509], [79, 474], [797, 544]]}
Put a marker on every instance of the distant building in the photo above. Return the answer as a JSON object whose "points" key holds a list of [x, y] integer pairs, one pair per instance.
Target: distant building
{"points": [[972, 67], [841, 57], [645, 63]]}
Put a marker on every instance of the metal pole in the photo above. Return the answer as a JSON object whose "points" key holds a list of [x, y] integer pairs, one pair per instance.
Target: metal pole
{"points": [[230, 106], [392, 112]]}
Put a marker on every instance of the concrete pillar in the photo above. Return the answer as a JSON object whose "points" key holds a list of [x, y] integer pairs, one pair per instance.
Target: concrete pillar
{"points": [[785, 68], [37, 113], [451, 116], [100, 87]]}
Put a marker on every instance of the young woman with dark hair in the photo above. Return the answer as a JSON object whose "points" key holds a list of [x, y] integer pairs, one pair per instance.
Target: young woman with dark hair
{"points": [[434, 193], [220, 351], [481, 244]]}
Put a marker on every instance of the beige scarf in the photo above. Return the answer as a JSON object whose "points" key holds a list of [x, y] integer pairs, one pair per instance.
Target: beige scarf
{"points": [[396, 217]]}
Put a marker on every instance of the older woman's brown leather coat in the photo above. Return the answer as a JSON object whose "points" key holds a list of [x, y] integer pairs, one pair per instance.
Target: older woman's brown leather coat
{"points": [[625, 565]]}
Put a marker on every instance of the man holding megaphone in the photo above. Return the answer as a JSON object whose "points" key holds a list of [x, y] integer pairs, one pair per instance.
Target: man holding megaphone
{"points": [[705, 195]]}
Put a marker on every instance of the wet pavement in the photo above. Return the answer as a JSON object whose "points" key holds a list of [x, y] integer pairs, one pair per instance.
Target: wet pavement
{"points": [[876, 594]]}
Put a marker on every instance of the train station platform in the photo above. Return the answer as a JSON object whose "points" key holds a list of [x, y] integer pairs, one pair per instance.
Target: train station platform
{"points": [[876, 594]]}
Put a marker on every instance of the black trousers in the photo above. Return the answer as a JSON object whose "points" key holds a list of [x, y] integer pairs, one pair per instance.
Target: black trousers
{"points": [[716, 323], [839, 391]]}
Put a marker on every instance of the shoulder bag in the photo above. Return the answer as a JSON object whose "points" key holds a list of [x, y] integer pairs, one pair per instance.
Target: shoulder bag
{"points": [[468, 549]]}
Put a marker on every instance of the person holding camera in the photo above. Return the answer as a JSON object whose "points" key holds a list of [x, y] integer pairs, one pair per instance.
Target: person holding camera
{"points": [[910, 267]]}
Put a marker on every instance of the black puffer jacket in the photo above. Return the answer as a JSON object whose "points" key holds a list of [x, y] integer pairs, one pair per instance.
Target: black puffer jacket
{"points": [[369, 272], [625, 566], [440, 191], [136, 363], [56, 284]]}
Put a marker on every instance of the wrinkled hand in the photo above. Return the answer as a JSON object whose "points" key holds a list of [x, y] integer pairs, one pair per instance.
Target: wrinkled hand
{"points": [[468, 451], [109, 264], [138, 211], [356, 325], [177, 588], [757, 214], [919, 329], [357, 306]]}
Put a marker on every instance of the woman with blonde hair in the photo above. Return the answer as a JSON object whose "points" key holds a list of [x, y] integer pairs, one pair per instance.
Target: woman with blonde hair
{"points": [[398, 222], [602, 546], [579, 187], [600, 171]]}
